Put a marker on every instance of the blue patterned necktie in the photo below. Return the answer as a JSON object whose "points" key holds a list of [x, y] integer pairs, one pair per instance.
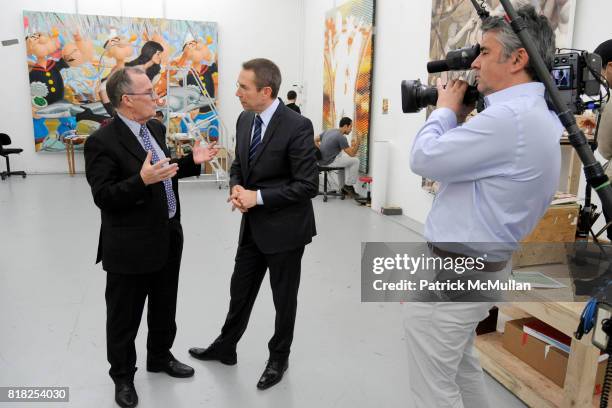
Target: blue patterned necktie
{"points": [[256, 141], [146, 140]]}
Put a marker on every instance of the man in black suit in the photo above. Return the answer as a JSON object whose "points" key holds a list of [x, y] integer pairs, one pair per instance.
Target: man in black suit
{"points": [[135, 185], [273, 178], [291, 97]]}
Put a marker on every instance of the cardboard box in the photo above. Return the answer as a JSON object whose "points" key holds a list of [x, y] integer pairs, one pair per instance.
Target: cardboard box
{"points": [[542, 246], [547, 360]]}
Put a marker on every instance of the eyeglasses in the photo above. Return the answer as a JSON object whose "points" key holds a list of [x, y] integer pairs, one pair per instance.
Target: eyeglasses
{"points": [[152, 94], [245, 88]]}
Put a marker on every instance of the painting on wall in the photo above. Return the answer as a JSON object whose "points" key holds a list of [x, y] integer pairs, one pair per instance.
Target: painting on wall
{"points": [[455, 24], [70, 57], [347, 69]]}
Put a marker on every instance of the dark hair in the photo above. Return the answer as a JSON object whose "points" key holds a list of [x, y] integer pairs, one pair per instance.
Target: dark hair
{"points": [[345, 121], [148, 50], [538, 28], [291, 95], [120, 83], [266, 74], [604, 50]]}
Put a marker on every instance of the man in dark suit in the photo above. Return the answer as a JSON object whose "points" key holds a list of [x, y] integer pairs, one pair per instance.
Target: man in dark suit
{"points": [[291, 97], [135, 185], [273, 178]]}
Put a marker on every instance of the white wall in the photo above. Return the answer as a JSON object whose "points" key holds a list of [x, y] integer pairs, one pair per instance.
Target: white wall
{"points": [[401, 52], [247, 29]]}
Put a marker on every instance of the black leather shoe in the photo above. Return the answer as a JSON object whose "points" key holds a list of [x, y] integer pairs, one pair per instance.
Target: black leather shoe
{"points": [[209, 354], [125, 395], [272, 374], [173, 368], [349, 191]]}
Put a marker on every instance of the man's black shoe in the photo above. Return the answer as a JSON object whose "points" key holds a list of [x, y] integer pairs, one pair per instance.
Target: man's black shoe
{"points": [[209, 354], [350, 191], [125, 395], [173, 368], [272, 374]]}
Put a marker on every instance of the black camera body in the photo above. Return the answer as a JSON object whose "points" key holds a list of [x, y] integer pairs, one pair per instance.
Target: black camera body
{"points": [[576, 73], [416, 96]]}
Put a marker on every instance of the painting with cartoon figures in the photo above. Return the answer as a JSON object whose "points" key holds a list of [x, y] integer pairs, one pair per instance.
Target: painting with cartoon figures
{"points": [[347, 70], [70, 57]]}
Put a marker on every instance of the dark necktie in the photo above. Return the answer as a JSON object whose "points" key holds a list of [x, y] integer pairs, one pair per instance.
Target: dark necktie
{"points": [[256, 140], [146, 141]]}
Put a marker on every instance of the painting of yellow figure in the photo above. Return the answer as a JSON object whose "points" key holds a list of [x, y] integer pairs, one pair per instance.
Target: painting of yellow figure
{"points": [[347, 70], [70, 57], [455, 24]]}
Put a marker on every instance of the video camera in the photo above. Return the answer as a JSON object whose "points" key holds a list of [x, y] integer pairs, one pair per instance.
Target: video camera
{"points": [[416, 96], [575, 73]]}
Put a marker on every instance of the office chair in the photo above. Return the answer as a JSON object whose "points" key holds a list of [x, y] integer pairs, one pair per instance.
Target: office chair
{"points": [[5, 140]]}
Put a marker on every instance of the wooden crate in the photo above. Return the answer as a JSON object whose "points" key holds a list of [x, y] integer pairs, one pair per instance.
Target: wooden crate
{"points": [[542, 246]]}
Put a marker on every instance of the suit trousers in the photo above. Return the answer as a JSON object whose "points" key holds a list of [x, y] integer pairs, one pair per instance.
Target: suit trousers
{"points": [[125, 298], [249, 270]]}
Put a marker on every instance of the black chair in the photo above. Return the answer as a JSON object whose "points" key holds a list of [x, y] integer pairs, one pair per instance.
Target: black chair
{"points": [[325, 170], [5, 140]]}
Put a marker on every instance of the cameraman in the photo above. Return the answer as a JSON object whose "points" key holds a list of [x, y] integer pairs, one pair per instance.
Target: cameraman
{"points": [[497, 173], [604, 134]]}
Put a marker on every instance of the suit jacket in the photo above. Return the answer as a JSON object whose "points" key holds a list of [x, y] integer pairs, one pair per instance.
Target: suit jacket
{"points": [[134, 231], [285, 170], [294, 107]]}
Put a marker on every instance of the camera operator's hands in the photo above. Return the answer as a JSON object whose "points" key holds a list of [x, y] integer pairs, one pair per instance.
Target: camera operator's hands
{"points": [[451, 97]]}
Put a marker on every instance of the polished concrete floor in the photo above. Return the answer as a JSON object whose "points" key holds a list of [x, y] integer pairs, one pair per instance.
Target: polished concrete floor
{"points": [[52, 314]]}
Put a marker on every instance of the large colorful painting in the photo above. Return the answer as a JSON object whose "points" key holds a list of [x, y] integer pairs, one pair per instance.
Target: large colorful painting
{"points": [[70, 57], [455, 24], [347, 71]]}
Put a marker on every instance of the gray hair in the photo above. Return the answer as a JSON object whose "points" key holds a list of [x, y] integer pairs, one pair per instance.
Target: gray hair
{"points": [[538, 28], [120, 83]]}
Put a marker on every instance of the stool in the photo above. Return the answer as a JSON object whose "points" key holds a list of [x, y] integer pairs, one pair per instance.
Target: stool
{"points": [[329, 193], [70, 140], [365, 182]]}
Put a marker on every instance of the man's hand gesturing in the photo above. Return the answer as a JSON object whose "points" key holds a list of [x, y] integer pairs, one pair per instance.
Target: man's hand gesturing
{"points": [[154, 173]]}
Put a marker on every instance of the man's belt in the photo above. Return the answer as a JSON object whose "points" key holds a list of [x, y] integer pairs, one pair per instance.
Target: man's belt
{"points": [[488, 266]]}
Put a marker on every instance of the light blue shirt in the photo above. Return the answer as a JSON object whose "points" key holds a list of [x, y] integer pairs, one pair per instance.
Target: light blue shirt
{"points": [[498, 172], [135, 128], [265, 116]]}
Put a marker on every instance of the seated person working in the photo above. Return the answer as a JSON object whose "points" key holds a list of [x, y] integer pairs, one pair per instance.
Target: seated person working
{"points": [[336, 152]]}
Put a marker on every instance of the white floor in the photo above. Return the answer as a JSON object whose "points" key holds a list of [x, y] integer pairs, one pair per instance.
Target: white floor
{"points": [[52, 314]]}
